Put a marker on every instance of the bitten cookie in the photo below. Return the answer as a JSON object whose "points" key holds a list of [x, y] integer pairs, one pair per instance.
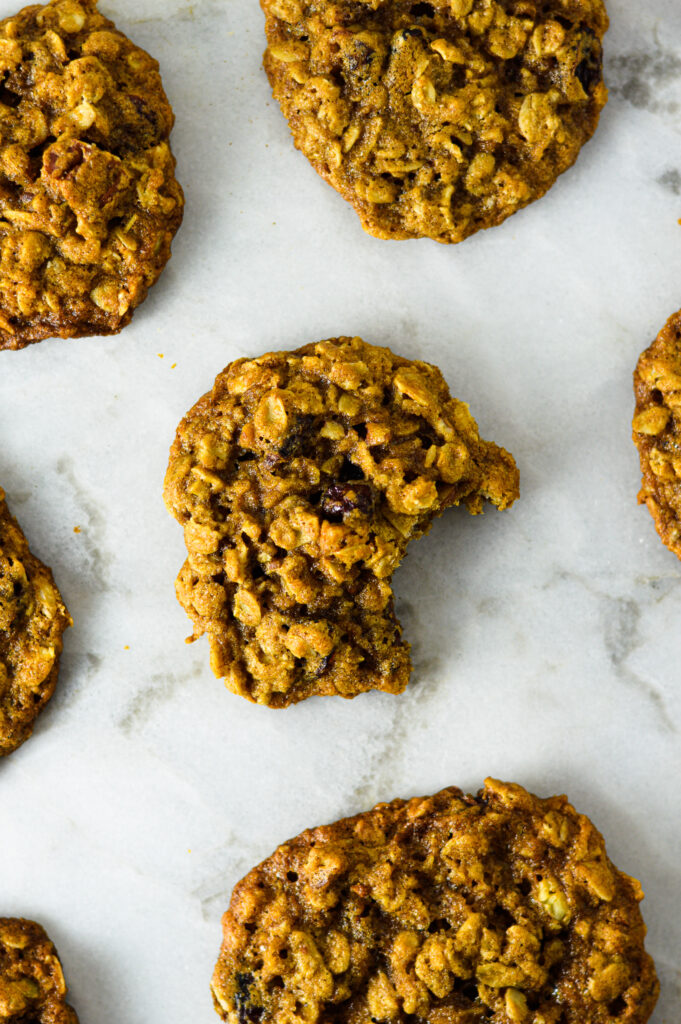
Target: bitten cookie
{"points": [[89, 202], [299, 480], [437, 118], [449, 909], [32, 620], [657, 431], [32, 987]]}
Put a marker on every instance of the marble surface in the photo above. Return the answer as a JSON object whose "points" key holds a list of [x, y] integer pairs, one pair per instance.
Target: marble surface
{"points": [[546, 639]]}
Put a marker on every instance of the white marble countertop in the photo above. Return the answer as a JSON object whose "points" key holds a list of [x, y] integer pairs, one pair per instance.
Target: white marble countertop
{"points": [[546, 640]]}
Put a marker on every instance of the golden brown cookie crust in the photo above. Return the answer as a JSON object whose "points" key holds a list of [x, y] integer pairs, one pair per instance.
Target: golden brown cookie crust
{"points": [[437, 118], [32, 620], [299, 480], [89, 202], [450, 909], [32, 987], [657, 431]]}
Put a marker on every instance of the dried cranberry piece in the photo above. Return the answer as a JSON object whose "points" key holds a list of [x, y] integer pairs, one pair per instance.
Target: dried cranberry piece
{"points": [[589, 71], [341, 498], [300, 435], [247, 1011]]}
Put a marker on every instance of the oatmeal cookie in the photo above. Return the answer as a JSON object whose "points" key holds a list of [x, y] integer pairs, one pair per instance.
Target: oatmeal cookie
{"points": [[437, 118], [299, 480], [32, 620], [657, 431], [89, 202], [449, 909], [32, 987]]}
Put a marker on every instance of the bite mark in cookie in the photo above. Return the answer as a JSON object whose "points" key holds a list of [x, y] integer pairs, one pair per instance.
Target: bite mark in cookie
{"points": [[89, 202], [441, 118], [450, 909], [299, 480]]}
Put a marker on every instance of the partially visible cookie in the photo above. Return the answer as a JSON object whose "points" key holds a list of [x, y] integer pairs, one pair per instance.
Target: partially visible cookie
{"points": [[89, 202], [32, 620], [437, 118], [657, 431], [450, 909], [299, 480], [32, 987]]}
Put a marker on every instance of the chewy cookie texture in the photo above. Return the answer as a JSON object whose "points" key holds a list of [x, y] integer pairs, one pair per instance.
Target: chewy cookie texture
{"points": [[450, 909], [657, 431], [437, 118], [299, 480], [32, 987], [89, 202], [32, 620]]}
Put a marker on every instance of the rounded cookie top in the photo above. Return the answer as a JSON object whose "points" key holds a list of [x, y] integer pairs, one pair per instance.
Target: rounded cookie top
{"points": [[32, 987], [657, 431], [450, 909], [299, 480], [437, 118], [89, 202], [32, 620]]}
